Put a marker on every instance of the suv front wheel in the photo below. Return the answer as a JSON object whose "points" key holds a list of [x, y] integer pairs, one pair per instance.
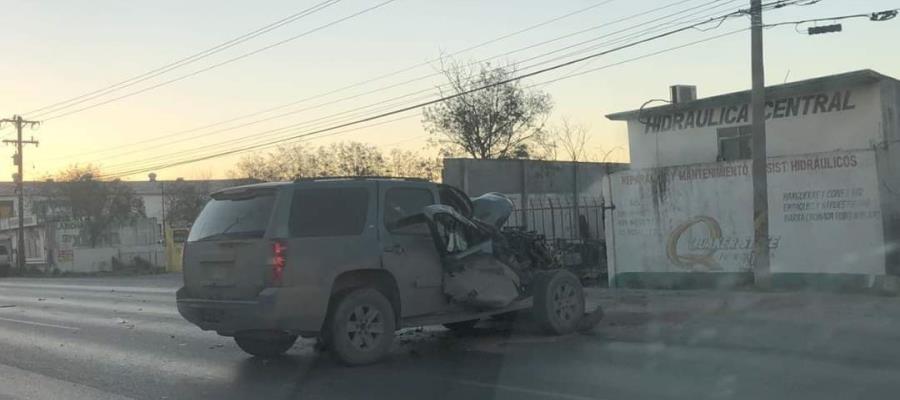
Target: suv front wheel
{"points": [[558, 301], [361, 327]]}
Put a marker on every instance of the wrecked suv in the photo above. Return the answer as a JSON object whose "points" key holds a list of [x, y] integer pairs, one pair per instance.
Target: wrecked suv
{"points": [[352, 260]]}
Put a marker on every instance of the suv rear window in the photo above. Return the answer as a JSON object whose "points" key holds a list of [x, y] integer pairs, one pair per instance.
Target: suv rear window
{"points": [[232, 218], [329, 212]]}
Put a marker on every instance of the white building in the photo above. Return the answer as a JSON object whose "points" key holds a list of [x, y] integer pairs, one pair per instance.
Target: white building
{"points": [[59, 244], [684, 212]]}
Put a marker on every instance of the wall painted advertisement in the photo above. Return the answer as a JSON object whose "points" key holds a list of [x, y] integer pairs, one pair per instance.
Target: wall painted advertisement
{"points": [[825, 217]]}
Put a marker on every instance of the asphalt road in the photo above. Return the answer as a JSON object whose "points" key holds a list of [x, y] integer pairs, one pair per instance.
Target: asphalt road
{"points": [[113, 338]]}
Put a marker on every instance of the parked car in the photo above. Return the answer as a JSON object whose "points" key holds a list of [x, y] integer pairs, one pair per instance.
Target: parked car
{"points": [[352, 260]]}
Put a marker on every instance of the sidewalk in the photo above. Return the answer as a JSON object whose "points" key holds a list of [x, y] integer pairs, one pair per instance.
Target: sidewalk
{"points": [[858, 328]]}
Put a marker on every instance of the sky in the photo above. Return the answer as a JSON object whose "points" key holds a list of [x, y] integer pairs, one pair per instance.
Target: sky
{"points": [[54, 50]]}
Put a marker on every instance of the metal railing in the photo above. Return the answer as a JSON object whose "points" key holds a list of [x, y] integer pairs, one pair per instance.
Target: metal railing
{"points": [[556, 217]]}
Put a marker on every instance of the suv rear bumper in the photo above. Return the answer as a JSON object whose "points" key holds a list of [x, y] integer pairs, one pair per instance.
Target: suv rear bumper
{"points": [[284, 309]]}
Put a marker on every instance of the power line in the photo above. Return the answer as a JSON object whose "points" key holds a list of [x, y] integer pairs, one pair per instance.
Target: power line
{"points": [[256, 136], [430, 102], [250, 138], [306, 136], [364, 82], [186, 60], [400, 97], [319, 122], [530, 86], [217, 65], [264, 145], [168, 143]]}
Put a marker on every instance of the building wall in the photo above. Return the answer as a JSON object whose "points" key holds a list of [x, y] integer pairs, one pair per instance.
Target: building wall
{"points": [[515, 177], [86, 260], [677, 224], [888, 156], [852, 120], [139, 239]]}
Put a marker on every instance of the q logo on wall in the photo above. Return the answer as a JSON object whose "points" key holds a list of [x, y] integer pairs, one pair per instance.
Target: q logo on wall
{"points": [[703, 257]]}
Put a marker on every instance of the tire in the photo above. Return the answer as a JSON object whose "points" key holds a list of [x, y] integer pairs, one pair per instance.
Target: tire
{"points": [[268, 346], [361, 327], [558, 302], [461, 326]]}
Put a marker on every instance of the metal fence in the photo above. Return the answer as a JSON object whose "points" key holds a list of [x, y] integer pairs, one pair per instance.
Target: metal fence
{"points": [[556, 217]]}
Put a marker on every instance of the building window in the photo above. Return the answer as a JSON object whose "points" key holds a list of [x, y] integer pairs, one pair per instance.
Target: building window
{"points": [[734, 143]]}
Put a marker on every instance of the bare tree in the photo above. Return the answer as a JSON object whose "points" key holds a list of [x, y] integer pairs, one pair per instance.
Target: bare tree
{"points": [[503, 120], [337, 159], [283, 163], [351, 159], [408, 163], [572, 139], [204, 174], [184, 201]]}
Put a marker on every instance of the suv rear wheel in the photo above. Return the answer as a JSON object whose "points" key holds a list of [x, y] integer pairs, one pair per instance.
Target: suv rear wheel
{"points": [[361, 327], [267, 345]]}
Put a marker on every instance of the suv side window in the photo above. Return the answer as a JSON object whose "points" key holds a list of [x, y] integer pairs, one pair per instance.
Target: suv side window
{"points": [[400, 203], [328, 212]]}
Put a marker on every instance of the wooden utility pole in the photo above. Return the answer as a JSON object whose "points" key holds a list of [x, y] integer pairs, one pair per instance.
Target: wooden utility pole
{"points": [[762, 274], [18, 159]]}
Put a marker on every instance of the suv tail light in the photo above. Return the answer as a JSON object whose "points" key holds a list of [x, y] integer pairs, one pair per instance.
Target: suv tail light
{"points": [[279, 260]]}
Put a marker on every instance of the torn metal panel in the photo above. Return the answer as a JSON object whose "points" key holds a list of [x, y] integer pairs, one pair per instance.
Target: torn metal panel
{"points": [[485, 267], [453, 232], [482, 281]]}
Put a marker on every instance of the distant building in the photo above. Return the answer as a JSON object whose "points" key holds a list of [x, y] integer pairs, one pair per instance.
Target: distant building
{"points": [[59, 244], [151, 192]]}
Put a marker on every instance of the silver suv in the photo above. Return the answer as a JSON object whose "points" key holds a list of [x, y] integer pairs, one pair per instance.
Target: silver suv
{"points": [[352, 260]]}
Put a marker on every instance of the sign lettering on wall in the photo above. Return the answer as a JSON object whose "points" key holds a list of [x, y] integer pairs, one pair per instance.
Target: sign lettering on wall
{"points": [[790, 107], [824, 216]]}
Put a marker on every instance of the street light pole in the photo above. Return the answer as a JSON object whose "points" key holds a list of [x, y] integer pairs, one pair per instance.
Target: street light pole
{"points": [[762, 274]]}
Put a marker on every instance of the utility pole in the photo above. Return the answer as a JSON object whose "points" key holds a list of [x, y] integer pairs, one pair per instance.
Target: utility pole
{"points": [[762, 274], [18, 159]]}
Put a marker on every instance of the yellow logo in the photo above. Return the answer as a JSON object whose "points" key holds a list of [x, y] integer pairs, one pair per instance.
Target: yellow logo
{"points": [[704, 257]]}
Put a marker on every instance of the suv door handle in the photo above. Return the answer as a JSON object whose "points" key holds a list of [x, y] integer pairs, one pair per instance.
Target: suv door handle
{"points": [[396, 249]]}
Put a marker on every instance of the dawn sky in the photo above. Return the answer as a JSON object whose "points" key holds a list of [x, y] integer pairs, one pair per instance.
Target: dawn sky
{"points": [[53, 50]]}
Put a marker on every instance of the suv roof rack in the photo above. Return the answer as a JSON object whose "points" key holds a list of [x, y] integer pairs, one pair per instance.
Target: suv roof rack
{"points": [[363, 177]]}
